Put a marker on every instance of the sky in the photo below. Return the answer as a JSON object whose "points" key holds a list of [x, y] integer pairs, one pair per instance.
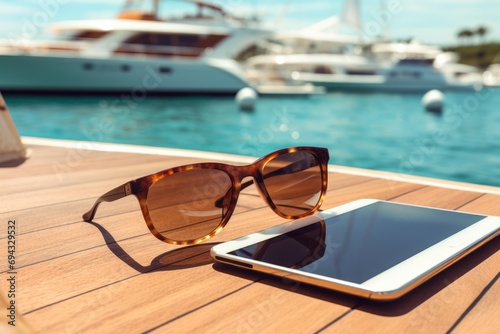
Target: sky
{"points": [[430, 21]]}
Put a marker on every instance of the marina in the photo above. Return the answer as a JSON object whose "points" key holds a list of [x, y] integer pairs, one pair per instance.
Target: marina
{"points": [[211, 51]]}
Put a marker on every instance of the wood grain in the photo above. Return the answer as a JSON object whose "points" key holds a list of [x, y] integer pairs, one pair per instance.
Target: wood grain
{"points": [[112, 275]]}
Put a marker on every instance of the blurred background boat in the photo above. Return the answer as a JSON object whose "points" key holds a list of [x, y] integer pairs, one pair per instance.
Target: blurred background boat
{"points": [[138, 52], [341, 62]]}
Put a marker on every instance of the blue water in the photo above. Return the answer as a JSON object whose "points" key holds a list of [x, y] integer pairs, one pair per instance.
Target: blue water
{"points": [[376, 131]]}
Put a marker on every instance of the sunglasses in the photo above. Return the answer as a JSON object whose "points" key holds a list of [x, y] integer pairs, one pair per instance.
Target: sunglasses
{"points": [[189, 204]]}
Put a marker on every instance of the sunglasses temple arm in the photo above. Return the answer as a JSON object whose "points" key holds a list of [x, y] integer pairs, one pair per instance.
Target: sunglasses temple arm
{"points": [[110, 196]]}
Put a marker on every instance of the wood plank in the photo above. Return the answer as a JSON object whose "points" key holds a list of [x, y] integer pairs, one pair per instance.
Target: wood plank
{"points": [[136, 304], [118, 169], [483, 314], [442, 198], [270, 305], [376, 189], [487, 204]]}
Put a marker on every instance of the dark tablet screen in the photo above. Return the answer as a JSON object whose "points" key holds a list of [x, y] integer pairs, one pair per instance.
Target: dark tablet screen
{"points": [[360, 244]]}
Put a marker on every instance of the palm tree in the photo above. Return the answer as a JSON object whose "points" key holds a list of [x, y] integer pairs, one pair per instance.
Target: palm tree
{"points": [[464, 34], [469, 34], [481, 32]]}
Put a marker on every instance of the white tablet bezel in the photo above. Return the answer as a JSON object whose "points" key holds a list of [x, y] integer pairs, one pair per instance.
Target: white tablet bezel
{"points": [[387, 285]]}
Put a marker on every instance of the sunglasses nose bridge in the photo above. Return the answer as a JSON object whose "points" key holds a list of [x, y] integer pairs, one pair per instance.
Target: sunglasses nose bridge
{"points": [[245, 176], [252, 174], [241, 173]]}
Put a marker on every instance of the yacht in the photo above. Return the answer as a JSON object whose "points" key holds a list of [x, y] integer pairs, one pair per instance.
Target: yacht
{"points": [[137, 53], [386, 67]]}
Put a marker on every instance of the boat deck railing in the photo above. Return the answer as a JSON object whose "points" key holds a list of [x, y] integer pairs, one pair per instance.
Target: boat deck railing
{"points": [[85, 47]]}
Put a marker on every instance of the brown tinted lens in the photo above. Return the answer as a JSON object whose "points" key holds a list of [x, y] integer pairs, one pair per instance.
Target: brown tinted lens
{"points": [[190, 204], [294, 182]]}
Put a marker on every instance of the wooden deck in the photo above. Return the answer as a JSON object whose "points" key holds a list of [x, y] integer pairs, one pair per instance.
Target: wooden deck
{"points": [[113, 276]]}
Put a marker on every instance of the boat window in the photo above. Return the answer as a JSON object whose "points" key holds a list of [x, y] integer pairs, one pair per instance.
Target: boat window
{"points": [[411, 61], [321, 69], [360, 72], [88, 34], [188, 40], [169, 44]]}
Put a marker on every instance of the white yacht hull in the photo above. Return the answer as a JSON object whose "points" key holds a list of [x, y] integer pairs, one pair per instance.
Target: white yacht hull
{"points": [[379, 83], [339, 72], [138, 76]]}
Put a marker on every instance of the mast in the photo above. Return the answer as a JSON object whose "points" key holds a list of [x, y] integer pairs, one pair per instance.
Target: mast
{"points": [[156, 7], [351, 16]]}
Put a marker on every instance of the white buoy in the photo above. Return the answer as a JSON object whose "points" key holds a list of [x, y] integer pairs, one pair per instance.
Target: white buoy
{"points": [[245, 98], [433, 101]]}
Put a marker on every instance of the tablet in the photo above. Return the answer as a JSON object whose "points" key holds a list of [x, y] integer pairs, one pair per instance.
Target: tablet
{"points": [[369, 248]]}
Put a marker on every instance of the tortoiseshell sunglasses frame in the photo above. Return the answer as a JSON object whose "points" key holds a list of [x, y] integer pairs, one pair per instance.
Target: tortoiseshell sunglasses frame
{"points": [[139, 188]]}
